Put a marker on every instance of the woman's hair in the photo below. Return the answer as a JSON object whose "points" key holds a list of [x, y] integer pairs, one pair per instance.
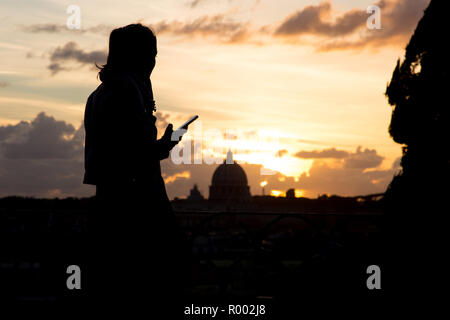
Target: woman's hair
{"points": [[131, 48]]}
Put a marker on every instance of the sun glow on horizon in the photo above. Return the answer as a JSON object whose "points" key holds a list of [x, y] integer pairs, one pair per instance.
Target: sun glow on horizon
{"points": [[252, 147], [277, 193]]}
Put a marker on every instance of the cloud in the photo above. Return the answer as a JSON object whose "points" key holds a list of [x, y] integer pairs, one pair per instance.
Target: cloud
{"points": [[322, 154], [219, 26], [323, 178], [349, 31], [45, 158], [4, 84], [399, 19], [363, 159], [71, 52], [42, 158], [360, 159], [44, 27], [59, 28], [316, 25], [312, 20], [329, 30], [55, 67], [43, 138], [354, 174]]}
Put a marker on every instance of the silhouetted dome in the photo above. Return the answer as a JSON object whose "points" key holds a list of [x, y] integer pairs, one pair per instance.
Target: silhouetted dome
{"points": [[229, 174], [195, 194], [229, 181]]}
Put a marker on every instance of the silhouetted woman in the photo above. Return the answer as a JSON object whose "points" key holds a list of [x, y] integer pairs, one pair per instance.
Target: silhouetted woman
{"points": [[134, 245]]}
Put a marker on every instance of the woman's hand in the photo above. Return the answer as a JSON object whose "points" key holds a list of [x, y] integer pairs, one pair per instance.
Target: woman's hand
{"points": [[171, 138]]}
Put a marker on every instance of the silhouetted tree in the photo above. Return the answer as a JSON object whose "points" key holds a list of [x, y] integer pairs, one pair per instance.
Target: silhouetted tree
{"points": [[416, 198], [418, 91]]}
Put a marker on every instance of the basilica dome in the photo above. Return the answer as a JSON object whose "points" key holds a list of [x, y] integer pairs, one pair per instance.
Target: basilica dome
{"points": [[229, 181]]}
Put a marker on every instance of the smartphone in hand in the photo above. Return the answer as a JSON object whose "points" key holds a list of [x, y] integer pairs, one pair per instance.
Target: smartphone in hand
{"points": [[177, 134], [187, 123]]}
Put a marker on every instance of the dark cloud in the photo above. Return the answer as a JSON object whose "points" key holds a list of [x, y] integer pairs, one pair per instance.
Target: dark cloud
{"points": [[59, 28], [45, 157], [323, 178], [398, 19], [44, 28], [220, 27], [360, 159], [55, 67], [322, 154], [4, 84], [42, 158], [353, 175], [43, 138], [101, 28], [363, 159], [71, 52], [346, 32], [313, 20]]}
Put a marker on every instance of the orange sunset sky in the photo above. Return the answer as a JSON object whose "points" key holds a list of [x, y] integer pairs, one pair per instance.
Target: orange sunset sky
{"points": [[292, 86]]}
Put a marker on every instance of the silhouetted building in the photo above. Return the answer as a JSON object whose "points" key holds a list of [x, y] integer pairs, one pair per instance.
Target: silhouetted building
{"points": [[290, 194], [195, 194], [229, 182]]}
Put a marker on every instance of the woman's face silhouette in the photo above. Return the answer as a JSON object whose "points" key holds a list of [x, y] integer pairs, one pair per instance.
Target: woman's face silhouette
{"points": [[152, 64]]}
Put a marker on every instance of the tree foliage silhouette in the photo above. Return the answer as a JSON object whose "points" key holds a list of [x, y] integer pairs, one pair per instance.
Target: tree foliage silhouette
{"points": [[416, 200], [418, 92]]}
